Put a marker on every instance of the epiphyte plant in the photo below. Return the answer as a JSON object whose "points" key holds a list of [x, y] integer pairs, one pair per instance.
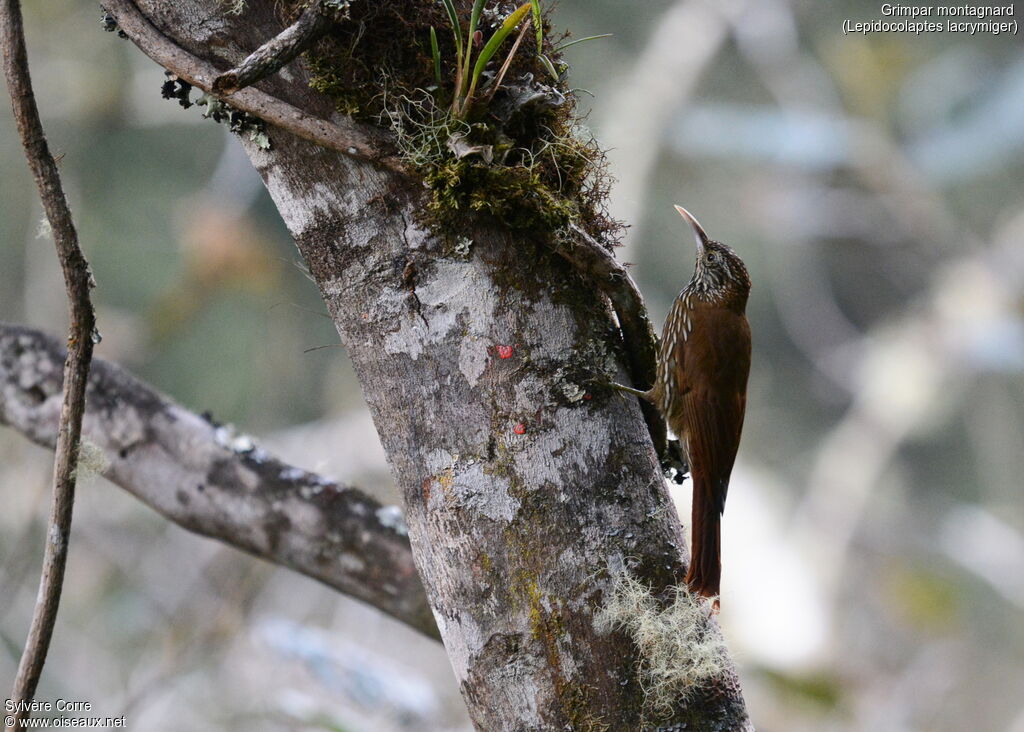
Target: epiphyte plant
{"points": [[467, 74]]}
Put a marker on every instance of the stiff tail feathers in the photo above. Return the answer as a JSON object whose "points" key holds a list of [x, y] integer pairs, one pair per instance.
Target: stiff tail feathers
{"points": [[705, 572]]}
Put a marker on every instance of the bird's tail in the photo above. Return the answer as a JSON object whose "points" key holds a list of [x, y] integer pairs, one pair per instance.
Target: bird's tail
{"points": [[705, 572]]}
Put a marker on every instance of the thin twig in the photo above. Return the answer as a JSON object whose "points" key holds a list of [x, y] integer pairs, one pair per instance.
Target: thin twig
{"points": [[78, 281], [282, 48], [346, 137]]}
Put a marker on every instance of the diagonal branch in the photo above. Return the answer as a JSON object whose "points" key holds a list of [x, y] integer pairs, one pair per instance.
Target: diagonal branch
{"points": [[215, 483], [601, 267], [347, 137], [78, 281], [282, 48]]}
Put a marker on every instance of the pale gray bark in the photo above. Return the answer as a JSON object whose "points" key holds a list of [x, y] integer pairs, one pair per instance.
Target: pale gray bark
{"points": [[518, 534], [209, 480]]}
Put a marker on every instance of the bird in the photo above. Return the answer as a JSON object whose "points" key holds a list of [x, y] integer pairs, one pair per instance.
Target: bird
{"points": [[701, 391]]}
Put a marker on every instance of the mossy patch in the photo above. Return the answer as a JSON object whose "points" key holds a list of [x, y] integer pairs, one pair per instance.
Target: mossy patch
{"points": [[520, 157]]}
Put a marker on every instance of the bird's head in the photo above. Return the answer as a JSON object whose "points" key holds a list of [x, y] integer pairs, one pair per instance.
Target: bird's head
{"points": [[720, 276]]}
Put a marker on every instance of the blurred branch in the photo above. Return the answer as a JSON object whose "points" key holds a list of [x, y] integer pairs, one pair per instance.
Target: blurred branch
{"points": [[686, 39], [798, 82], [905, 367], [207, 479], [987, 546], [282, 48], [68, 425], [348, 138]]}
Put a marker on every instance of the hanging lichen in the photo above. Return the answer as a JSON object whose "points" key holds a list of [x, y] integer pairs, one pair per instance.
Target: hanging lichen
{"points": [[680, 651]]}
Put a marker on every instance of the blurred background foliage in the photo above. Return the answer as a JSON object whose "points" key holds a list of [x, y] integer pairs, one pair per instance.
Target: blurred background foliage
{"points": [[874, 542]]}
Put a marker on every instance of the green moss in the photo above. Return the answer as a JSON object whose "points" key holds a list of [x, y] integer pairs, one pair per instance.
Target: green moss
{"points": [[520, 160], [378, 41], [517, 196], [329, 83]]}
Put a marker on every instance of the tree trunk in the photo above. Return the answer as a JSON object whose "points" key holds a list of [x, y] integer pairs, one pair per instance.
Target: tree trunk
{"points": [[524, 506]]}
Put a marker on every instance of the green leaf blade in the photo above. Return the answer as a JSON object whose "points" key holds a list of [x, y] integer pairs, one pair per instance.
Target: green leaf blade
{"points": [[436, 53], [550, 67], [492, 45], [456, 28], [474, 17], [474, 20], [582, 40], [538, 25]]}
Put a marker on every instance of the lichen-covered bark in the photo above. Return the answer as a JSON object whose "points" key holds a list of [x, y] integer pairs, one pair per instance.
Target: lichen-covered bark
{"points": [[209, 480], [523, 499]]}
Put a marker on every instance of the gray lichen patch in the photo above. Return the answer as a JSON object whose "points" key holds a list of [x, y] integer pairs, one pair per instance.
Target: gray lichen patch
{"points": [[574, 435], [391, 517], [473, 358], [316, 201], [92, 460], [501, 655], [465, 483], [452, 290], [557, 326], [681, 652], [485, 494], [463, 640]]}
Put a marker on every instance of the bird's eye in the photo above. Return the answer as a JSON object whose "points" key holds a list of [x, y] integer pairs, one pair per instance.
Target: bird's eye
{"points": [[711, 257]]}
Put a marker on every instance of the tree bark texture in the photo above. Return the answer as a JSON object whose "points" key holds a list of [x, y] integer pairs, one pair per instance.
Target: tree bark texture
{"points": [[522, 505]]}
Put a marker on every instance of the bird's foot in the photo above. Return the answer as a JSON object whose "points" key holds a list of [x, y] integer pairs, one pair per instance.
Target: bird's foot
{"points": [[608, 383], [674, 464], [627, 389]]}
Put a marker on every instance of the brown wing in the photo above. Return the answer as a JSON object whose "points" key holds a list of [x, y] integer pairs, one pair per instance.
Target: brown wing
{"points": [[715, 360]]}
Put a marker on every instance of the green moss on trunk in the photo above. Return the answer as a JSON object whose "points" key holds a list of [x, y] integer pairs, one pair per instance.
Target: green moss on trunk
{"points": [[522, 159]]}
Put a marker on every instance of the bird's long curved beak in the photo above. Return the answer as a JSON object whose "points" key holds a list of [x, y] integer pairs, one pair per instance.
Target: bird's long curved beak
{"points": [[698, 230]]}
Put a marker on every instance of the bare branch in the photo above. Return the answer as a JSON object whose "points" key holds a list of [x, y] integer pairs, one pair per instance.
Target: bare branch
{"points": [[282, 48], [347, 137], [78, 282], [213, 482]]}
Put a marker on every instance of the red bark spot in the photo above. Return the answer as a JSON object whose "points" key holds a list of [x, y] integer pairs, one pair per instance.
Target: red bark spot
{"points": [[505, 351], [519, 429]]}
